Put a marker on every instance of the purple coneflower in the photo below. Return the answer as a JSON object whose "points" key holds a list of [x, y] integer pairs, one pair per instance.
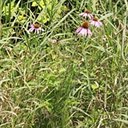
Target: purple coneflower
{"points": [[96, 22], [84, 30], [36, 27], [86, 14]]}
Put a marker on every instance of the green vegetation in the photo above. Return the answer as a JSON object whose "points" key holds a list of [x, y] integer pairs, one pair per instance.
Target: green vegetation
{"points": [[57, 79]]}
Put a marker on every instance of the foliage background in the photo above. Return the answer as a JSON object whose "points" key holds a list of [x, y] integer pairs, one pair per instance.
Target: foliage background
{"points": [[75, 82]]}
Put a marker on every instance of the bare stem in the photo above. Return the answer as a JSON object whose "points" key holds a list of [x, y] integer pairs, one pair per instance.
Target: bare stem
{"points": [[0, 18]]}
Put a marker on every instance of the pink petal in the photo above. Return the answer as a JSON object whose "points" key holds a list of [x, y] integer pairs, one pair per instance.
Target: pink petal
{"points": [[100, 23], [81, 14], [42, 30], [86, 15], [31, 29], [82, 32], [32, 26], [90, 16], [78, 30], [37, 31], [96, 23], [89, 32], [92, 22]]}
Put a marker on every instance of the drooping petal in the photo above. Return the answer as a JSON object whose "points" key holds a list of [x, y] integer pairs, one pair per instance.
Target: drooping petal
{"points": [[90, 16], [100, 23], [42, 30], [78, 29], [31, 29], [92, 22], [37, 31], [83, 32], [86, 15], [96, 23], [89, 32], [32, 26], [81, 14]]}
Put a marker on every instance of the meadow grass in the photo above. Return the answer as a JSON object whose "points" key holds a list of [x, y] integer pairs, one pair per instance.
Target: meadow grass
{"points": [[57, 79]]}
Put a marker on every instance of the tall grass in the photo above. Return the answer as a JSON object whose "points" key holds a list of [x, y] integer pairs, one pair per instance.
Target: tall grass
{"points": [[75, 82]]}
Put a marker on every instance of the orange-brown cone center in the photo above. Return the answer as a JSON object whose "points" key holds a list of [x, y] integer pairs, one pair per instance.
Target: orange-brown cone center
{"points": [[36, 25], [85, 24], [95, 19], [87, 11]]}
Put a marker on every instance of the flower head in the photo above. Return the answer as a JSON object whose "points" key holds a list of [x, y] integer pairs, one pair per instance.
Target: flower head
{"points": [[96, 22], [36, 27], [84, 30], [86, 14]]}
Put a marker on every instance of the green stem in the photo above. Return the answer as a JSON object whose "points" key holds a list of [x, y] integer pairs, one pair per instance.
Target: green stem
{"points": [[0, 18]]}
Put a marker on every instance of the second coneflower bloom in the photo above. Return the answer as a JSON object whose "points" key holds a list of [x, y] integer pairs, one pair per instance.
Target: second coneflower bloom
{"points": [[36, 27], [86, 14], [84, 30], [96, 22]]}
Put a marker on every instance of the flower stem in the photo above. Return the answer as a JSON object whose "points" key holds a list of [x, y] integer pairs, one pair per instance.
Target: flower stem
{"points": [[0, 18]]}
